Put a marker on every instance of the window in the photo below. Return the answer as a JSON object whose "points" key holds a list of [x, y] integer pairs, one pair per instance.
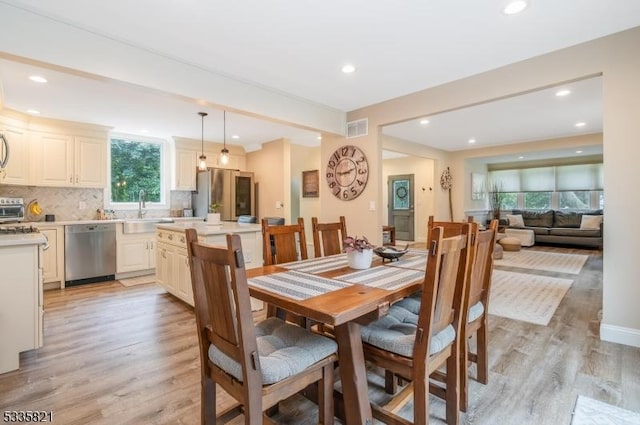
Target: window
{"points": [[537, 200], [575, 200], [136, 165], [510, 201]]}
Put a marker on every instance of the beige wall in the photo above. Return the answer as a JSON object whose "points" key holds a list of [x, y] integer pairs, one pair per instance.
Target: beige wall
{"points": [[423, 172], [616, 59], [271, 166], [304, 159]]}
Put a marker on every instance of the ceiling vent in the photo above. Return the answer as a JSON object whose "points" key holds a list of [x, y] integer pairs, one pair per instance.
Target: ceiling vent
{"points": [[358, 128]]}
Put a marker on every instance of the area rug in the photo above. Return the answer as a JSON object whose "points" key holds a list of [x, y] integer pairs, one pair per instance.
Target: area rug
{"points": [[540, 260], [139, 280], [593, 412], [527, 297]]}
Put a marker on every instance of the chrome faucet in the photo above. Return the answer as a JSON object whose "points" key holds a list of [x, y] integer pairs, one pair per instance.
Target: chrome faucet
{"points": [[141, 203]]}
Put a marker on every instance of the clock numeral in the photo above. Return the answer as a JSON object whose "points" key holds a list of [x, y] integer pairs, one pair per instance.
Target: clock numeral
{"points": [[336, 156], [353, 190], [359, 161], [329, 175], [362, 171], [332, 164], [345, 151], [337, 192], [345, 194], [360, 182], [332, 185]]}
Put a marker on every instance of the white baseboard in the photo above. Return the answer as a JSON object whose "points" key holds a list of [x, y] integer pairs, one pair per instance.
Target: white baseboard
{"points": [[620, 335]]}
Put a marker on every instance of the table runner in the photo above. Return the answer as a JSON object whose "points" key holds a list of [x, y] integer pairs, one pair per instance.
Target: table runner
{"points": [[318, 265], [384, 277], [296, 285]]}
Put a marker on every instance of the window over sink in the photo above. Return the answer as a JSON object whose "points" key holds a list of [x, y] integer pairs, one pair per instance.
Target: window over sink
{"points": [[136, 164]]}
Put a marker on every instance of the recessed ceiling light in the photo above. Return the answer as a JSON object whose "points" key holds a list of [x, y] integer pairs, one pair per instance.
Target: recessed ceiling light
{"points": [[514, 7], [521, 157], [319, 137], [33, 111], [38, 79], [581, 124], [235, 136], [472, 141], [578, 151], [424, 121], [348, 68], [563, 92]]}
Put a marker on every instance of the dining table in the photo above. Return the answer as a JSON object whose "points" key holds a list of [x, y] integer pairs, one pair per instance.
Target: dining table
{"points": [[326, 290]]}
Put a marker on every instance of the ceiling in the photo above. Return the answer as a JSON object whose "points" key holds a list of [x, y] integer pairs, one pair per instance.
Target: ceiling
{"points": [[298, 47]]}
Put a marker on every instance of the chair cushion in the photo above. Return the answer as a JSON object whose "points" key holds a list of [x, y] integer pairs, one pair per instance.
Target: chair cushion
{"points": [[284, 350], [396, 332], [475, 311]]}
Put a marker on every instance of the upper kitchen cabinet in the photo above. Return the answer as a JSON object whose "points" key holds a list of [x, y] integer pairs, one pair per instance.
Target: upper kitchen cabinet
{"points": [[186, 164], [17, 169], [64, 160]]}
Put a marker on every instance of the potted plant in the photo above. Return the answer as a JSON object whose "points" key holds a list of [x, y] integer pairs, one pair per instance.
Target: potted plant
{"points": [[359, 252], [496, 198], [214, 216]]}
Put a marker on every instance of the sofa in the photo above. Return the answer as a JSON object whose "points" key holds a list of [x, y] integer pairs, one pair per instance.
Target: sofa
{"points": [[560, 226]]}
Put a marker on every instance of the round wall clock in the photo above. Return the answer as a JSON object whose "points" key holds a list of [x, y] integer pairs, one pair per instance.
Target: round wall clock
{"points": [[347, 172]]}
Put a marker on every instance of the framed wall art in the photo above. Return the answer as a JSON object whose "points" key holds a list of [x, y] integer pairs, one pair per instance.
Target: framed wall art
{"points": [[310, 184]]}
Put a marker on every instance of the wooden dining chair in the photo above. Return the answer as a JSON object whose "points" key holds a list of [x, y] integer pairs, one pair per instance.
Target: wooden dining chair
{"points": [[287, 240], [476, 311], [258, 365], [417, 337], [328, 237]]}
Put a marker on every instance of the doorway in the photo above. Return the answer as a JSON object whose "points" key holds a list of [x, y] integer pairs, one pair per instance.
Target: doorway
{"points": [[401, 205]]}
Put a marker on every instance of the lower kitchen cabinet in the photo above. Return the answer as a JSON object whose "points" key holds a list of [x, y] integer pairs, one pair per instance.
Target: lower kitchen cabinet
{"points": [[135, 253], [53, 256], [172, 261]]}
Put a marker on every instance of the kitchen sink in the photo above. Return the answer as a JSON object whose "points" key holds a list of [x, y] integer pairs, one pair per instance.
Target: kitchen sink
{"points": [[143, 225]]}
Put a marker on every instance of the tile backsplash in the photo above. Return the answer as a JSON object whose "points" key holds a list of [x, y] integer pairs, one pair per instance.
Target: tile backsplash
{"points": [[65, 202]]}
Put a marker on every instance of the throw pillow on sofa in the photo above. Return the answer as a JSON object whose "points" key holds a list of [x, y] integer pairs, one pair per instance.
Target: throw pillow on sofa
{"points": [[515, 220], [591, 222]]}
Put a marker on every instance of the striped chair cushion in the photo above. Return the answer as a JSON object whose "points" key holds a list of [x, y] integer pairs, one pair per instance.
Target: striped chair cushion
{"points": [[284, 350], [412, 303]]}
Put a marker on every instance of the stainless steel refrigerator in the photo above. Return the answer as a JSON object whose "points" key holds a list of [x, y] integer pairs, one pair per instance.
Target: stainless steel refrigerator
{"points": [[234, 190]]}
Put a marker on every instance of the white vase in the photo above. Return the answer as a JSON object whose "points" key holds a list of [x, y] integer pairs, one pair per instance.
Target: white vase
{"points": [[213, 218], [360, 260]]}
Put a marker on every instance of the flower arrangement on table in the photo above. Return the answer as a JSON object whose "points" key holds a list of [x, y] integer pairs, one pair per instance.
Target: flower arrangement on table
{"points": [[214, 208], [351, 244]]}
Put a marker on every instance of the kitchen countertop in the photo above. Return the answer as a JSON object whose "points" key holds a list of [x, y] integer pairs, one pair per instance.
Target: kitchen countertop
{"points": [[205, 230], [22, 239], [117, 220]]}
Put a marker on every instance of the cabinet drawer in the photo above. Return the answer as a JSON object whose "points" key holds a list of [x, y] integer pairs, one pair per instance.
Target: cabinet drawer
{"points": [[172, 237]]}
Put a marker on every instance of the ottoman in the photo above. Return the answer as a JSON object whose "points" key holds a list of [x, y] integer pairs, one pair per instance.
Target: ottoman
{"points": [[510, 244], [527, 237]]}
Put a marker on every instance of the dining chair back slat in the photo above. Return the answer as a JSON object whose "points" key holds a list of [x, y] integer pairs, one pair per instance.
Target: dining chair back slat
{"points": [[328, 237]]}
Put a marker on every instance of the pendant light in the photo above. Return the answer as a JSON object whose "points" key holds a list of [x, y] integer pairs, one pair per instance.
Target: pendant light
{"points": [[224, 153], [202, 166]]}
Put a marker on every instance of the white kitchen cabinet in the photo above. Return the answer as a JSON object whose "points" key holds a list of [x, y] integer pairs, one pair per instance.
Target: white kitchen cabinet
{"points": [[20, 303], [18, 167], [53, 256], [172, 268], [186, 166], [135, 254], [66, 161]]}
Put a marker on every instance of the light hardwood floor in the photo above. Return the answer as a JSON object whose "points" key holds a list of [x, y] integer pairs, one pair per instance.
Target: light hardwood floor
{"points": [[117, 355]]}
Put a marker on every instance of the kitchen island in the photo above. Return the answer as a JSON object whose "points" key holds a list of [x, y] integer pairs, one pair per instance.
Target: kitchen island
{"points": [[172, 261], [21, 314]]}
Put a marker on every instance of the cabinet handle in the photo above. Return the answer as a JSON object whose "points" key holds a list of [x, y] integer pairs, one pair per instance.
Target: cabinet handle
{"points": [[186, 262], [150, 245], [77, 179], [170, 237], [182, 239], [70, 179], [164, 252]]}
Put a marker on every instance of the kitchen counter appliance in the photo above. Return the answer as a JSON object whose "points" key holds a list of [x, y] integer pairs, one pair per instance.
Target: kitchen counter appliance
{"points": [[11, 209], [233, 190], [90, 253]]}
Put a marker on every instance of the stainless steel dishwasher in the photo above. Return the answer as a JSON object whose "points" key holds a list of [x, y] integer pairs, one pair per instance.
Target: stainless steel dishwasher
{"points": [[89, 253]]}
